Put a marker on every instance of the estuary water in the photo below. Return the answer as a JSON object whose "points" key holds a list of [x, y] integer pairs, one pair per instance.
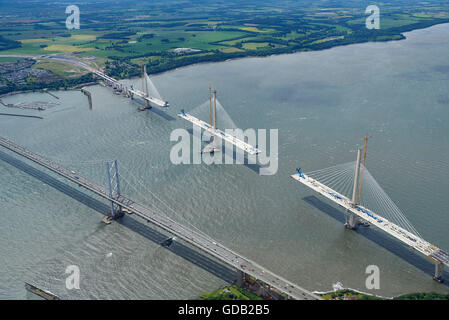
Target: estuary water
{"points": [[321, 102]]}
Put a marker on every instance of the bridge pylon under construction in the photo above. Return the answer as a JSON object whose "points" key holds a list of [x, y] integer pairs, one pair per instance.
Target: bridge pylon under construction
{"points": [[131, 92], [389, 218]]}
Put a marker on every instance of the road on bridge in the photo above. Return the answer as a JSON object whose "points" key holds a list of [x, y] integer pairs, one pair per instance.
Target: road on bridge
{"points": [[200, 241]]}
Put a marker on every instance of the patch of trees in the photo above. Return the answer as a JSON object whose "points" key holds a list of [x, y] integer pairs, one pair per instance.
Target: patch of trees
{"points": [[145, 36], [6, 44], [423, 296], [55, 85], [122, 69], [117, 35], [160, 25]]}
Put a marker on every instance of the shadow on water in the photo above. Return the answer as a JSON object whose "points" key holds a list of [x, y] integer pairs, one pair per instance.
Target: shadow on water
{"points": [[382, 239], [156, 110], [199, 259], [252, 166], [162, 114]]}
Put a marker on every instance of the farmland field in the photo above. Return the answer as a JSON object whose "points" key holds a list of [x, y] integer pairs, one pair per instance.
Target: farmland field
{"points": [[147, 32]]}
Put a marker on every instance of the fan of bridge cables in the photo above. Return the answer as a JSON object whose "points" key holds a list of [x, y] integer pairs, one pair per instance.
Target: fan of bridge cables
{"points": [[223, 119], [152, 90], [158, 205], [373, 197]]}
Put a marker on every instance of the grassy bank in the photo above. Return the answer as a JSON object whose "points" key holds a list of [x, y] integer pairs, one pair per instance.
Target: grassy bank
{"points": [[236, 293], [230, 293], [347, 294]]}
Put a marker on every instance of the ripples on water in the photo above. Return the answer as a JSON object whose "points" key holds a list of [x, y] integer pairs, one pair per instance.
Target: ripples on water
{"points": [[322, 103]]}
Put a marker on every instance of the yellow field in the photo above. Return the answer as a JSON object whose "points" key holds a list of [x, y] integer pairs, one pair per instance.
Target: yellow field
{"points": [[88, 37], [66, 48], [33, 40], [255, 29]]}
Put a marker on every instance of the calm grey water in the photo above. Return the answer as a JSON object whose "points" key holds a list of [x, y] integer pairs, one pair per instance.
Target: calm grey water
{"points": [[321, 102]]}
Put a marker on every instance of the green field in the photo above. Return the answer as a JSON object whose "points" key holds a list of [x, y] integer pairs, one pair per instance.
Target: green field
{"points": [[230, 293], [131, 32]]}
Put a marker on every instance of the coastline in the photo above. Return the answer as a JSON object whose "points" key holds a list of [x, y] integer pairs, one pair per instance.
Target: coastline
{"points": [[233, 292], [321, 293], [239, 56], [76, 87], [329, 45]]}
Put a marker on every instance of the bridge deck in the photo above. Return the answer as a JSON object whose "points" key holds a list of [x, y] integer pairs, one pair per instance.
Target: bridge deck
{"points": [[150, 99], [220, 134], [136, 92], [396, 231], [194, 238]]}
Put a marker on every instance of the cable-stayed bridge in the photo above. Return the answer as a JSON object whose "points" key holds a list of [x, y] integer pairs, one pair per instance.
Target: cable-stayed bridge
{"points": [[245, 267], [149, 98], [212, 128], [132, 92], [342, 184], [219, 134]]}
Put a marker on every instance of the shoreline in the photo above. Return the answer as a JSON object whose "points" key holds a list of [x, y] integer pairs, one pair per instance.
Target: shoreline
{"points": [[255, 56], [248, 56], [233, 292], [356, 291], [74, 88]]}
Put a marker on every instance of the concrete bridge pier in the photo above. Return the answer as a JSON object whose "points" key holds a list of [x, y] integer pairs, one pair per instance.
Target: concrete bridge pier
{"points": [[241, 278], [351, 221], [438, 272]]}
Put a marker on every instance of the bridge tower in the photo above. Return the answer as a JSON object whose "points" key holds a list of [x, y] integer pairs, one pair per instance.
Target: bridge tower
{"points": [[438, 272], [351, 218], [365, 139], [210, 105], [215, 109], [145, 85], [213, 145], [114, 188]]}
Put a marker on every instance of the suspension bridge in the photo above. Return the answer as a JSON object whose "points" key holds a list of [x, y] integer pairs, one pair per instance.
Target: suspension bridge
{"points": [[121, 204], [343, 184]]}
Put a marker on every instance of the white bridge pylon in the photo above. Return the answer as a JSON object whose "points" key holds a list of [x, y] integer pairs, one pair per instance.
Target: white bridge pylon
{"points": [[389, 219], [215, 132], [147, 98]]}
